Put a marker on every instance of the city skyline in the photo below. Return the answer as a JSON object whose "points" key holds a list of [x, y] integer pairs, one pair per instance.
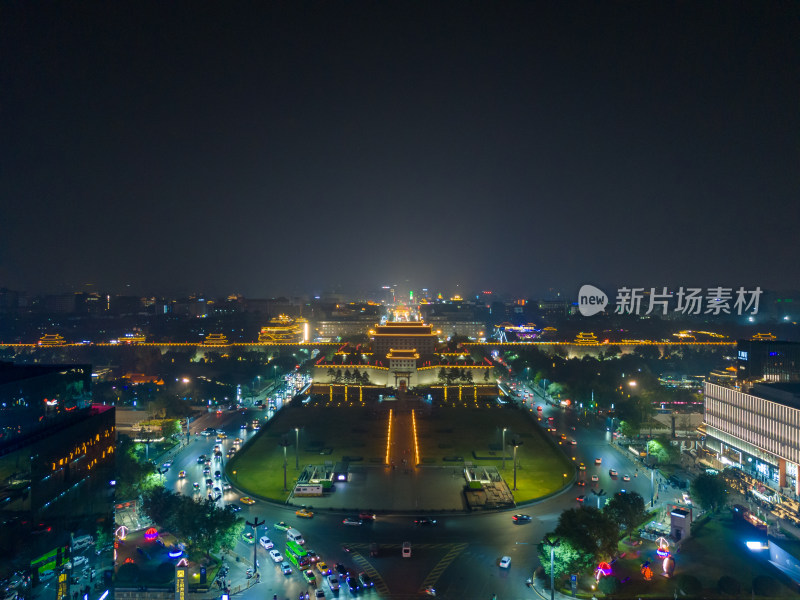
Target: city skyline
{"points": [[286, 149]]}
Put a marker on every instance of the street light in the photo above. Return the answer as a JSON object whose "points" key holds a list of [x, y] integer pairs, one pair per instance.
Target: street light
{"points": [[284, 443], [515, 443], [504, 447], [255, 525], [599, 494], [296, 448], [553, 543]]}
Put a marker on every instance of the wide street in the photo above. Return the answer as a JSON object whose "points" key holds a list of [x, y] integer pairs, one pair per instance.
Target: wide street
{"points": [[458, 556]]}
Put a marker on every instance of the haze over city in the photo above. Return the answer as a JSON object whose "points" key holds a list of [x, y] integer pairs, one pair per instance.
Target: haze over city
{"points": [[299, 148]]}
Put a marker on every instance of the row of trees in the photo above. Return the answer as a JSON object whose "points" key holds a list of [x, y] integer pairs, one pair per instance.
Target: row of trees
{"points": [[586, 535], [202, 524], [347, 376], [456, 375]]}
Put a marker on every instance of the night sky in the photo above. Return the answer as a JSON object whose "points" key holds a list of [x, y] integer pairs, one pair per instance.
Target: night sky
{"points": [[298, 147]]}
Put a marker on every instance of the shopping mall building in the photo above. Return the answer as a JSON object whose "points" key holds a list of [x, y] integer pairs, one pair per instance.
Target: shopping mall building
{"points": [[757, 430]]}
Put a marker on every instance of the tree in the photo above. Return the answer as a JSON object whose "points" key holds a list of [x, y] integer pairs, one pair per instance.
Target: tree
{"points": [[663, 450], [442, 375], [567, 558], [590, 531], [709, 491], [628, 429], [626, 509], [555, 389]]}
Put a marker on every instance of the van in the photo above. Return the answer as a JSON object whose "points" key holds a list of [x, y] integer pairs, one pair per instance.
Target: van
{"points": [[295, 536], [83, 541], [406, 549]]}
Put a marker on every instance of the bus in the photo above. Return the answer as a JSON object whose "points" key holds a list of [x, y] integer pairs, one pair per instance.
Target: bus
{"points": [[296, 555]]}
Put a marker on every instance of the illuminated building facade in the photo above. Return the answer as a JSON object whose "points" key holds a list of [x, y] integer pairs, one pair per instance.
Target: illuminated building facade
{"points": [[394, 335], [403, 367], [58, 467], [757, 431], [767, 360], [284, 330]]}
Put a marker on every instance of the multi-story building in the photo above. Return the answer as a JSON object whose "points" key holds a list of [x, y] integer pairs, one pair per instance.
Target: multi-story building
{"points": [[767, 360], [57, 464], [406, 335], [758, 431]]}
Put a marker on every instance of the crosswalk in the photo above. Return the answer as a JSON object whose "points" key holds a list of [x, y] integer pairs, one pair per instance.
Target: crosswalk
{"points": [[452, 552]]}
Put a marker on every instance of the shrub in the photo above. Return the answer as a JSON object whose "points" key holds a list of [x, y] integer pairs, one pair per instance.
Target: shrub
{"points": [[763, 585], [165, 572], [729, 585], [689, 585], [609, 585], [127, 574]]}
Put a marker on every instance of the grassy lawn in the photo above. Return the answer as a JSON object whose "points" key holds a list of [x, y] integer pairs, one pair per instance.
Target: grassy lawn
{"points": [[715, 550], [331, 431], [469, 433]]}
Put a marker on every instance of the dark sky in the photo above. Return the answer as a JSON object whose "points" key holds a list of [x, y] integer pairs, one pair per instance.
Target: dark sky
{"points": [[292, 147]]}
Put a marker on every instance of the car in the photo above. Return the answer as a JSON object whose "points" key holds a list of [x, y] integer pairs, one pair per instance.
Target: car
{"points": [[319, 593], [47, 575], [365, 580], [598, 461], [207, 471], [424, 521], [574, 442], [282, 526], [266, 543], [365, 516], [196, 486], [217, 474], [580, 483], [234, 507], [333, 582], [247, 500], [237, 440], [227, 487], [595, 479], [582, 467], [341, 570], [222, 436], [521, 518], [256, 427], [352, 521], [581, 498], [79, 561], [243, 426], [612, 472], [209, 483], [312, 556], [626, 478], [275, 556], [352, 584], [505, 562], [323, 568], [249, 537], [182, 475], [304, 513], [309, 576], [201, 459], [563, 436], [286, 568]]}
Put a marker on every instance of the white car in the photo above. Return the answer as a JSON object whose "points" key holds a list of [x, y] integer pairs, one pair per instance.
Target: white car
{"points": [[275, 556], [505, 562], [333, 582], [266, 543], [79, 561]]}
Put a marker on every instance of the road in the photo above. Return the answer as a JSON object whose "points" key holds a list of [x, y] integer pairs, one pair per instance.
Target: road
{"points": [[458, 556]]}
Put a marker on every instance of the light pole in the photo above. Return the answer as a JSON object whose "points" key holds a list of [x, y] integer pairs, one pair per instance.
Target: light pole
{"points": [[504, 447], [515, 443], [255, 525], [296, 448], [284, 443], [553, 543], [599, 494]]}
